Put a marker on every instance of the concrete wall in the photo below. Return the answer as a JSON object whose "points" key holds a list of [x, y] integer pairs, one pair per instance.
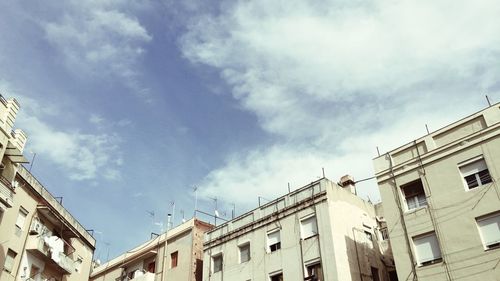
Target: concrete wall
{"points": [[184, 239], [452, 208], [341, 219]]}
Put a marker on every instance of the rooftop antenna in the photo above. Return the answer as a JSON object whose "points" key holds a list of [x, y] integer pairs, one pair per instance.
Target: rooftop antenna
{"points": [[169, 217], [288, 187], [34, 155], [216, 212], [195, 189], [488, 100], [427, 129], [172, 203], [182, 214], [233, 211], [378, 151], [323, 169]]}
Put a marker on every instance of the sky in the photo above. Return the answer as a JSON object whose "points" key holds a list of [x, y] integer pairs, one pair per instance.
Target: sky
{"points": [[129, 106]]}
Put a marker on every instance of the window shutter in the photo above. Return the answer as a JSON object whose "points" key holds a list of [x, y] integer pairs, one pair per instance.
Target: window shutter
{"points": [[309, 227], [273, 238], [490, 230], [473, 168], [427, 248]]}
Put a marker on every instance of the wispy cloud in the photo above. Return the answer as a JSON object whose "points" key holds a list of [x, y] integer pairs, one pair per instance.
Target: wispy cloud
{"points": [[82, 156], [100, 38], [320, 75]]}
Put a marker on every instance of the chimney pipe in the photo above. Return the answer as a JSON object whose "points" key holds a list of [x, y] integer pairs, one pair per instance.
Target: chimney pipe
{"points": [[347, 182]]}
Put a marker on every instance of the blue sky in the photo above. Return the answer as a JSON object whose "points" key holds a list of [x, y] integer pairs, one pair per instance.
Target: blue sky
{"points": [[129, 104]]}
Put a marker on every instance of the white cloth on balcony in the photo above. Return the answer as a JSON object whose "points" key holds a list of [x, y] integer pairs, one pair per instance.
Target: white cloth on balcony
{"points": [[56, 246]]}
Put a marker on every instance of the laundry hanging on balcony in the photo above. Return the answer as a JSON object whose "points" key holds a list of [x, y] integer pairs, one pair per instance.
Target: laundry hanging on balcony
{"points": [[56, 246]]}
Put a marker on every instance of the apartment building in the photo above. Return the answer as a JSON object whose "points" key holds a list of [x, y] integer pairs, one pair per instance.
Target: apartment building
{"points": [[39, 239], [442, 201], [175, 255], [322, 231]]}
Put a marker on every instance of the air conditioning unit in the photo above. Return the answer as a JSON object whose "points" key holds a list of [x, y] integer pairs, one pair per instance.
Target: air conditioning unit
{"points": [[36, 227]]}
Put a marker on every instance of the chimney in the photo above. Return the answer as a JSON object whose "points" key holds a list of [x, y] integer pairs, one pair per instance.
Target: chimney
{"points": [[347, 182]]}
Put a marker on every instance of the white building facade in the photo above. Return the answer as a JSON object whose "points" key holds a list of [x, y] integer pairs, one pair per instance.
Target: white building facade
{"points": [[319, 232]]}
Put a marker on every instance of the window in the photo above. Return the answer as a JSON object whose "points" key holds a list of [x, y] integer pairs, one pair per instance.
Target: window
{"points": [[375, 276], [244, 252], [308, 227], [489, 227], [276, 277], [414, 195], [475, 174], [427, 249], [217, 263], [384, 233], [274, 241], [9, 260], [315, 272], [173, 259], [152, 265], [21, 219]]}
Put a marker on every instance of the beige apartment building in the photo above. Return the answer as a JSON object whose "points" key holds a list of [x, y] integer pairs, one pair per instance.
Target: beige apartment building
{"points": [[442, 201], [39, 239], [322, 232], [175, 255]]}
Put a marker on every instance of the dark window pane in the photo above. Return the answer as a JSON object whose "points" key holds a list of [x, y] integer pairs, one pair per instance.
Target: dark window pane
{"points": [[484, 176], [471, 181]]}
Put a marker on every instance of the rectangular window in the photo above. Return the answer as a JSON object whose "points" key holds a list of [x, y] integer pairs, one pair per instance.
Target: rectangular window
{"points": [[276, 277], [427, 249], [217, 263], [309, 227], [9, 261], [173, 259], [475, 174], [489, 227], [21, 218], [414, 195], [375, 276], [315, 272], [274, 241], [384, 233], [244, 252]]}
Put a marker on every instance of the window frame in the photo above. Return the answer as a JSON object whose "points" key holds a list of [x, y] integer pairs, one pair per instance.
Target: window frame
{"points": [[491, 246], [172, 255], [471, 163], [240, 248], [276, 274], [10, 260], [417, 255], [271, 249], [418, 203], [315, 223], [214, 258], [310, 273]]}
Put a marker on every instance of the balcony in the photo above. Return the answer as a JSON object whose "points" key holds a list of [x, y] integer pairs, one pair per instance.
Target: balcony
{"points": [[6, 192], [61, 262], [148, 276]]}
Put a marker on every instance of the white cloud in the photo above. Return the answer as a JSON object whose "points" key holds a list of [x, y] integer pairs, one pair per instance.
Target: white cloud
{"points": [[323, 77], [100, 38], [82, 156]]}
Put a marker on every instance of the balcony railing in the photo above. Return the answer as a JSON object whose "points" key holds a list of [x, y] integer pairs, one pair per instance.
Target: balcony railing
{"points": [[6, 192], [37, 246]]}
